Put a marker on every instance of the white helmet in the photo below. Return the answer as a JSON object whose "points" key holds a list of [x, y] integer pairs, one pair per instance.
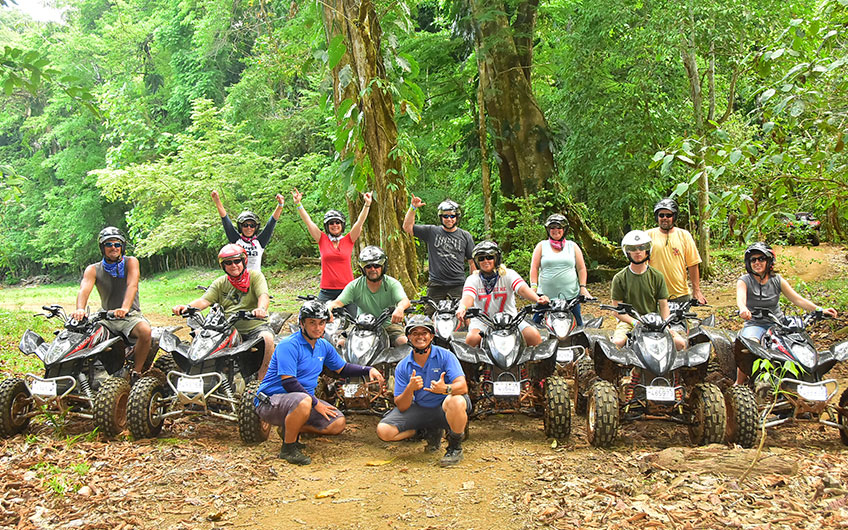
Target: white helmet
{"points": [[636, 240]]}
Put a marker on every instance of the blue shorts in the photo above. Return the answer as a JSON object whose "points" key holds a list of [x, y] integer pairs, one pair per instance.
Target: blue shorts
{"points": [[753, 332]]}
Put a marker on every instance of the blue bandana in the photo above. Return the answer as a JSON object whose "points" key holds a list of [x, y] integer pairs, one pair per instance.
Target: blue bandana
{"points": [[116, 270], [489, 282]]}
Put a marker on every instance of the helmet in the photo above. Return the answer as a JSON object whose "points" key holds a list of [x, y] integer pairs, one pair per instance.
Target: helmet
{"points": [[636, 240], [759, 248], [418, 321], [372, 255], [487, 248], [245, 216], [110, 232], [231, 251], [448, 205], [313, 309], [666, 204], [556, 219], [334, 215]]}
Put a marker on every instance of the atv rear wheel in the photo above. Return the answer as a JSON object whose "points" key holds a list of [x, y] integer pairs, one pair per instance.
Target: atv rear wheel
{"points": [[165, 363], [251, 428], [602, 414], [742, 416], [15, 406], [842, 418], [110, 406], [557, 416], [708, 416], [144, 410]]}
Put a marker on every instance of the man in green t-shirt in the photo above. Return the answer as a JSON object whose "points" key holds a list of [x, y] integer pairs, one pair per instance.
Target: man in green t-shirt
{"points": [[641, 286], [374, 292], [240, 290]]}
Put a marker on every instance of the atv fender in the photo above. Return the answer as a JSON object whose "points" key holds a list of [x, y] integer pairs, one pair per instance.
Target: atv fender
{"points": [[595, 323], [540, 352], [722, 341], [618, 356], [276, 321], [828, 358], [112, 363], [467, 354], [392, 355], [30, 342], [692, 356]]}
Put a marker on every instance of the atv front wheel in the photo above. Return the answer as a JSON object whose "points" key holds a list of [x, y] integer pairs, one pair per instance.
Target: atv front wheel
{"points": [[110, 406], [557, 417], [251, 428], [585, 376], [708, 416], [144, 409], [742, 416], [602, 414], [15, 407]]}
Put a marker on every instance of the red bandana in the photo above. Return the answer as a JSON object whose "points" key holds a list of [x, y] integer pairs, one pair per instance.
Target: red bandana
{"points": [[556, 244], [242, 283]]}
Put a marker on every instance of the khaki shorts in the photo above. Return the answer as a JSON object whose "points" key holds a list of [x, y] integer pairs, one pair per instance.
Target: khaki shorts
{"points": [[621, 331], [124, 326], [394, 331]]}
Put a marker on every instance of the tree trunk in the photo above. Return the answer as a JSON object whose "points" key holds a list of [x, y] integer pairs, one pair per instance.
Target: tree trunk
{"points": [[488, 215], [357, 22]]}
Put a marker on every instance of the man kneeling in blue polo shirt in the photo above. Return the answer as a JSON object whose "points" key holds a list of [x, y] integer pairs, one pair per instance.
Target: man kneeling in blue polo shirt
{"points": [[424, 401], [286, 396]]}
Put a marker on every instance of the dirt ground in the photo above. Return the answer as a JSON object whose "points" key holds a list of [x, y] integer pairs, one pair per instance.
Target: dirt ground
{"points": [[198, 475]]}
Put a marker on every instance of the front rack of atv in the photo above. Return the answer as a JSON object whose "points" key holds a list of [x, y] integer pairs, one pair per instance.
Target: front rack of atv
{"points": [[198, 402], [57, 403], [792, 405]]}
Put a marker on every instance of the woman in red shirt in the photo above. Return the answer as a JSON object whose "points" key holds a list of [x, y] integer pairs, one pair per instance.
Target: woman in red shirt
{"points": [[335, 248]]}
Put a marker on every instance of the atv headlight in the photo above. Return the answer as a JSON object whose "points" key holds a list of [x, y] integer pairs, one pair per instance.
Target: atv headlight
{"points": [[805, 354], [560, 323], [445, 327], [657, 347], [362, 343], [504, 344]]}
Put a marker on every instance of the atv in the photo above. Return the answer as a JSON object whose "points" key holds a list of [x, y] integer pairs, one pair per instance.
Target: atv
{"points": [[87, 371], [803, 391], [650, 379], [214, 374]]}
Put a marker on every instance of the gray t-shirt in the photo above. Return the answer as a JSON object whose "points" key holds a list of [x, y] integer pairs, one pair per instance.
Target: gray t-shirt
{"points": [[447, 251], [762, 296]]}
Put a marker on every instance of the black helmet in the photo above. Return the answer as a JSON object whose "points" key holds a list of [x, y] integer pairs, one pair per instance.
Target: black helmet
{"points": [[110, 232], [666, 204], [487, 248], [556, 219], [418, 321], [448, 205], [334, 215], [759, 248], [313, 309], [372, 255], [245, 216]]}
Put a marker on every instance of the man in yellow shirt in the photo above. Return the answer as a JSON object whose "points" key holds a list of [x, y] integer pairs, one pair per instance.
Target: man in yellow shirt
{"points": [[675, 255]]}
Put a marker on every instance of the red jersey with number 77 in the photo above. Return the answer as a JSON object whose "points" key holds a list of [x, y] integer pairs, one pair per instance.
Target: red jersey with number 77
{"points": [[502, 297]]}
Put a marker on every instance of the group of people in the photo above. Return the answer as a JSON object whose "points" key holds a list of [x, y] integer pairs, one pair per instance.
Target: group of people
{"points": [[430, 391]]}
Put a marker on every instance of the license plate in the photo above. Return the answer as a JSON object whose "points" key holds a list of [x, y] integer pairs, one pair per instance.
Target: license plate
{"points": [[564, 355], [350, 389], [190, 385], [507, 388], [813, 392], [44, 388], [659, 393]]}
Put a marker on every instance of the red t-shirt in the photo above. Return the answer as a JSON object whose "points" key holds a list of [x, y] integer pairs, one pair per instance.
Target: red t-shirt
{"points": [[335, 262]]}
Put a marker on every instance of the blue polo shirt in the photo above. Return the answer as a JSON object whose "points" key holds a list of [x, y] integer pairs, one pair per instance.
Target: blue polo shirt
{"points": [[440, 360], [295, 357]]}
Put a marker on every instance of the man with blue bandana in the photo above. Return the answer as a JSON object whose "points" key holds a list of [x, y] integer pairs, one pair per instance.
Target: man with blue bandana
{"points": [[116, 278]]}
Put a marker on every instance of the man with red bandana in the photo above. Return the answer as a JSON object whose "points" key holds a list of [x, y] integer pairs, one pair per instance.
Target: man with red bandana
{"points": [[240, 289]]}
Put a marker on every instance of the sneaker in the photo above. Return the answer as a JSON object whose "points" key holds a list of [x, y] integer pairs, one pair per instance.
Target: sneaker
{"points": [[434, 439], [452, 457], [292, 454]]}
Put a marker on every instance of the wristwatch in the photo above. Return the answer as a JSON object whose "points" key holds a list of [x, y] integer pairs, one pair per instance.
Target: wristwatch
{"points": [[448, 389]]}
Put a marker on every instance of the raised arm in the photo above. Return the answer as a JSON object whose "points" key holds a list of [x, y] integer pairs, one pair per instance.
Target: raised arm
{"points": [[356, 229], [217, 200], [281, 201], [409, 218], [311, 227]]}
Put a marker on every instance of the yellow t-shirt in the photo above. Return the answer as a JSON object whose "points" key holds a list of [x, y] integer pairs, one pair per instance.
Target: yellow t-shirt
{"points": [[672, 255]]}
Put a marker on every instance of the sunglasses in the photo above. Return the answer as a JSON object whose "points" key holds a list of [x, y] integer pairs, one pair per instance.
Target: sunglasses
{"points": [[759, 258], [555, 227], [228, 262], [111, 245], [665, 215], [486, 258], [448, 216], [249, 225], [373, 266], [334, 222]]}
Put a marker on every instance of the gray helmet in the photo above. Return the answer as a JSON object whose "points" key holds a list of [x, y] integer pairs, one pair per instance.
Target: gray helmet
{"points": [[666, 204], [759, 248], [110, 232], [448, 205], [245, 216], [556, 219], [313, 309], [486, 248], [334, 215], [636, 240], [418, 321], [372, 255]]}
